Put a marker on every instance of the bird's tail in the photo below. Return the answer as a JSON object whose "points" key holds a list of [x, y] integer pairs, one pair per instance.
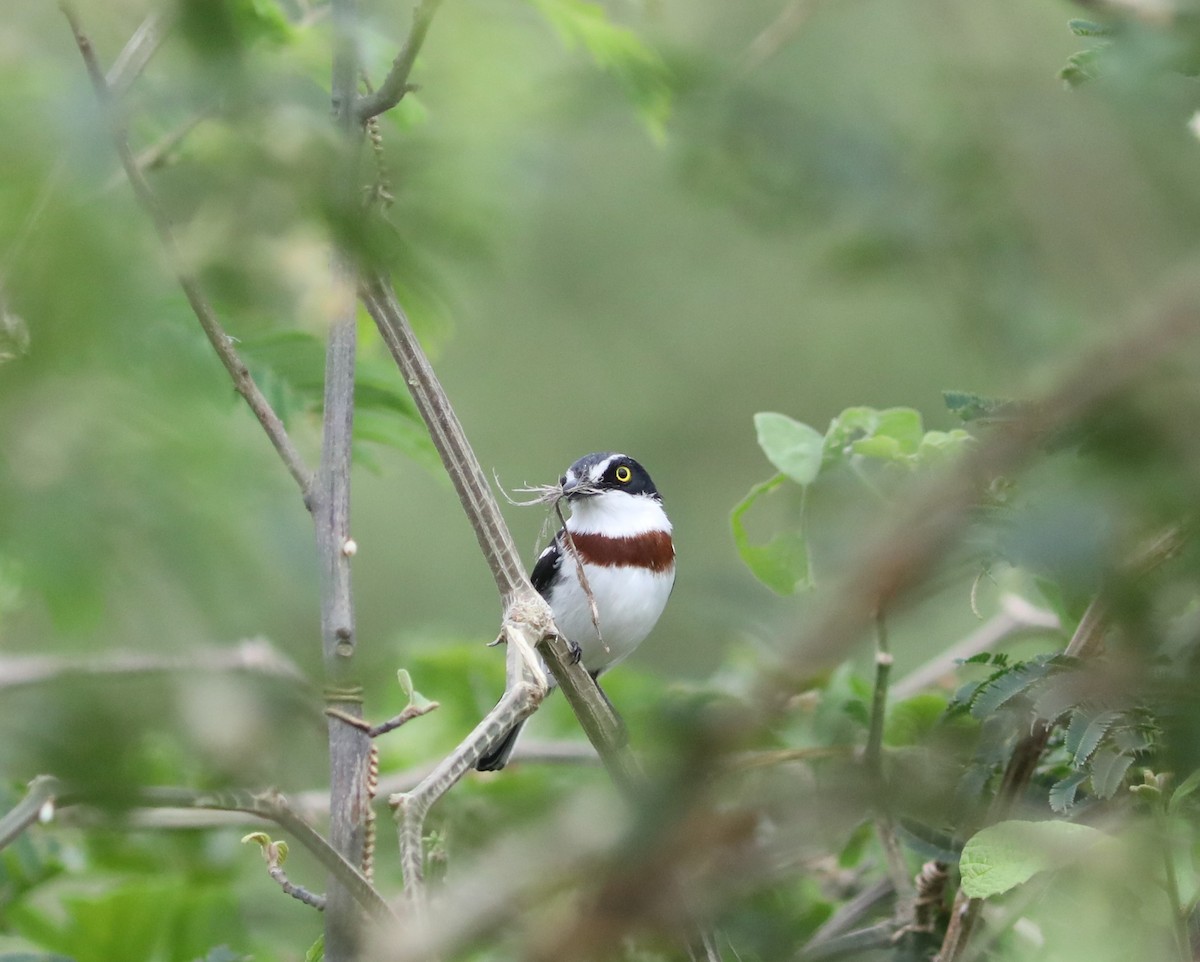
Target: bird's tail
{"points": [[496, 757]]}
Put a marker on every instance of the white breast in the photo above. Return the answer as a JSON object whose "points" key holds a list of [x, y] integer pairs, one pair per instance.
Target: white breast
{"points": [[629, 602]]}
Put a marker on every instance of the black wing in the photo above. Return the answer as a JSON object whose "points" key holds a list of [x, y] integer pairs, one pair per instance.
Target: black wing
{"points": [[546, 568]]}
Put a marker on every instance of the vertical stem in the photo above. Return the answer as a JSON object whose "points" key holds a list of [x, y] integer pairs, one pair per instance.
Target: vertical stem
{"points": [[1179, 925], [885, 827], [349, 747]]}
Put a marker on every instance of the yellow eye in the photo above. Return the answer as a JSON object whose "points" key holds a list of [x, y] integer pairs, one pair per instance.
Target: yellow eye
{"points": [[623, 474]]}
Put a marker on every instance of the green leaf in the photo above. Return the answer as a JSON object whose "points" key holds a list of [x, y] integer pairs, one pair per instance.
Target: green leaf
{"points": [[618, 51], [882, 448], [782, 563], [1085, 732], [1006, 684], [851, 425], [1086, 28], [290, 368], [902, 425], [1004, 855], [1081, 67], [1108, 772], [792, 447], [910, 721], [261, 20], [856, 845], [406, 685], [976, 407], [1063, 792], [316, 952], [937, 447]]}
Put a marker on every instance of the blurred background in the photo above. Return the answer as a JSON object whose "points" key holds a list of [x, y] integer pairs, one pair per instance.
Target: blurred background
{"points": [[792, 207]]}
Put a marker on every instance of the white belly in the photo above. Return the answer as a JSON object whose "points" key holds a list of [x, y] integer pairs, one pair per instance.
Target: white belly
{"points": [[629, 602]]}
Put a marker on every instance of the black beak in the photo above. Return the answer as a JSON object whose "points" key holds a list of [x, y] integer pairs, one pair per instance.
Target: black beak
{"points": [[570, 488]]}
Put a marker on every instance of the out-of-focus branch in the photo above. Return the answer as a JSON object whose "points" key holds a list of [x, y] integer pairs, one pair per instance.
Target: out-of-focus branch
{"points": [[895, 564], [253, 656], [519, 869], [1016, 617], [221, 342], [395, 85], [777, 34], [138, 52]]}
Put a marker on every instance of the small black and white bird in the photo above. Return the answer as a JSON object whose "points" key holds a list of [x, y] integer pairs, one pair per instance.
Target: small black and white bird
{"points": [[623, 537]]}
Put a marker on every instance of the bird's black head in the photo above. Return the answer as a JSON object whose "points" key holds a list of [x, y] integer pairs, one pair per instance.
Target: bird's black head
{"points": [[606, 471]]}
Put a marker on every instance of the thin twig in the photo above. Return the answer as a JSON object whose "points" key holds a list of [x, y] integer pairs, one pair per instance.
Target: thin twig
{"points": [[877, 936], [849, 914], [374, 731], [138, 52], [395, 85], [221, 342], [274, 853], [157, 153]]}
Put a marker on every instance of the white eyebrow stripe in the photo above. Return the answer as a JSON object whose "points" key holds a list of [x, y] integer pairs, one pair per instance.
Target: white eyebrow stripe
{"points": [[597, 472]]}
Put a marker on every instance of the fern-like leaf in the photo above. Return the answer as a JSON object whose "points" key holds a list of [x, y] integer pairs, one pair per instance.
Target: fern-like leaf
{"points": [[1062, 793], [1085, 732], [1108, 771], [1005, 685]]}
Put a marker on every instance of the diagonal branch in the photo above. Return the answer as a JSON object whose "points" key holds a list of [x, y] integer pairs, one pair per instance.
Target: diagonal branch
{"points": [[138, 52], [524, 607], [221, 342], [395, 85]]}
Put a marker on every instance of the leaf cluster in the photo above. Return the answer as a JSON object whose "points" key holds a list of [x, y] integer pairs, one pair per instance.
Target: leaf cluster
{"points": [[878, 447]]}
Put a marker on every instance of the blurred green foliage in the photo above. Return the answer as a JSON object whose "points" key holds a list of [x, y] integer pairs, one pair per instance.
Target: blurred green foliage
{"points": [[620, 225]]}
